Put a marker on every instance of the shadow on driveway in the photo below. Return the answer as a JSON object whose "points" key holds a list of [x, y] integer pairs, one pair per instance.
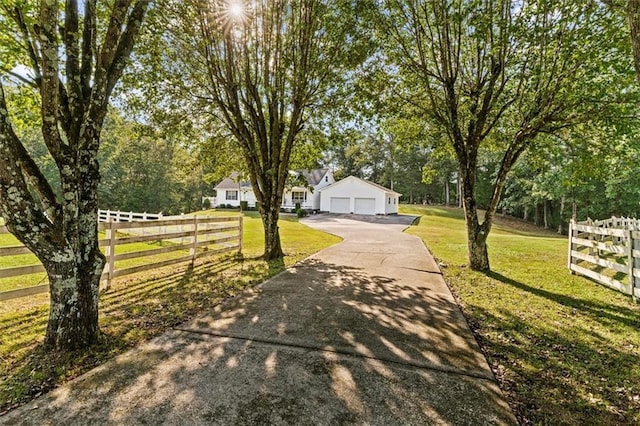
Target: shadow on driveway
{"points": [[320, 343]]}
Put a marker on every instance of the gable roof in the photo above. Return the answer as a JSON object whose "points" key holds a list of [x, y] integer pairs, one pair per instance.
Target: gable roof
{"points": [[231, 182], [375, 185], [313, 177]]}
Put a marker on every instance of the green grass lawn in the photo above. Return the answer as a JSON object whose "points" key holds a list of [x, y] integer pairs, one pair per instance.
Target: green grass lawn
{"points": [[254, 234], [19, 260], [138, 307], [564, 349]]}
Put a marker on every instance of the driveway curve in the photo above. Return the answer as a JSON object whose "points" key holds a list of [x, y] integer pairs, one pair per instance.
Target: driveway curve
{"points": [[363, 332]]}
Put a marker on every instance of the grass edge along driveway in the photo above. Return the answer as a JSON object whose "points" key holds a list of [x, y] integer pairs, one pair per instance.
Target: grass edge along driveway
{"points": [[564, 349], [139, 307]]}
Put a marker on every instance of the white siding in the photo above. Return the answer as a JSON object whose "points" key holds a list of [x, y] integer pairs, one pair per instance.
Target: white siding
{"points": [[248, 196], [224, 193], [353, 188], [244, 194], [314, 199], [392, 201], [326, 180], [313, 196]]}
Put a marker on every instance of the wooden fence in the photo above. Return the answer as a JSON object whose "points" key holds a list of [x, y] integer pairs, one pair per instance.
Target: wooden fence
{"points": [[185, 238], [118, 216], [607, 251]]}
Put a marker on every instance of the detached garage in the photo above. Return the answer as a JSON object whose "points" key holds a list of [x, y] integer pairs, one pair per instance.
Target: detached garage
{"points": [[358, 196]]}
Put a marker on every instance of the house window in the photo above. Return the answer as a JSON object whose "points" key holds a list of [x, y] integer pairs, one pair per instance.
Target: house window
{"points": [[298, 197], [326, 178], [232, 195], [394, 200], [389, 200]]}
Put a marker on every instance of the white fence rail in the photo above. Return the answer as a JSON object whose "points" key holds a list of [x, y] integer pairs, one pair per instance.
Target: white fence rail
{"points": [[607, 251], [118, 216], [159, 242]]}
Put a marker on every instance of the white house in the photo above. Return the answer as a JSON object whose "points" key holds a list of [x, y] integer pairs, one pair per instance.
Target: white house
{"points": [[355, 195], [231, 191], [305, 190]]}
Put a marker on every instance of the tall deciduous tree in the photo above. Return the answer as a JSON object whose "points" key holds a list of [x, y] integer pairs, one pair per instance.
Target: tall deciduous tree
{"points": [[257, 67], [633, 14], [631, 8], [75, 56], [498, 73]]}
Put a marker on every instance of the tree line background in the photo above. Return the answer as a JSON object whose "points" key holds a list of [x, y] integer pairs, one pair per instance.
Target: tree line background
{"points": [[159, 157], [147, 168]]}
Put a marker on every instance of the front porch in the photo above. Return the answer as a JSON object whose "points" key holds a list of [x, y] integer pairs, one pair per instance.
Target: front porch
{"points": [[289, 207], [297, 195]]}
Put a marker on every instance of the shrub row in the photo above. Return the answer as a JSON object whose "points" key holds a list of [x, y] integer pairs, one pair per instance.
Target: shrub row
{"points": [[245, 207]]}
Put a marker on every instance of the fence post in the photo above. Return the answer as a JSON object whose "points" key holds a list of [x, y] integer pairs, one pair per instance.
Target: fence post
{"points": [[110, 252], [630, 263], [591, 237], [241, 230], [194, 247], [622, 223], [635, 265], [571, 246]]}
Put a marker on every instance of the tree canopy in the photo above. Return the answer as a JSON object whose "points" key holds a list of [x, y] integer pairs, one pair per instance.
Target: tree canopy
{"points": [[495, 75], [255, 70]]}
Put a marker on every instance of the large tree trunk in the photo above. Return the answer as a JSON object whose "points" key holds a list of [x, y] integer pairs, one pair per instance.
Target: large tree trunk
{"points": [[74, 289], [477, 244], [538, 213], [476, 239], [447, 192], [547, 213], [272, 246], [74, 270], [561, 224], [633, 14], [476, 233]]}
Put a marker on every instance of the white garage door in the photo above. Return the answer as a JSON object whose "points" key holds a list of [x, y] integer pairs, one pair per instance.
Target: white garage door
{"points": [[339, 205], [365, 206]]}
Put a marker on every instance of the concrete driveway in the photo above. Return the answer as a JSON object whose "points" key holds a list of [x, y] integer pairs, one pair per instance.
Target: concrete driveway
{"points": [[364, 332]]}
